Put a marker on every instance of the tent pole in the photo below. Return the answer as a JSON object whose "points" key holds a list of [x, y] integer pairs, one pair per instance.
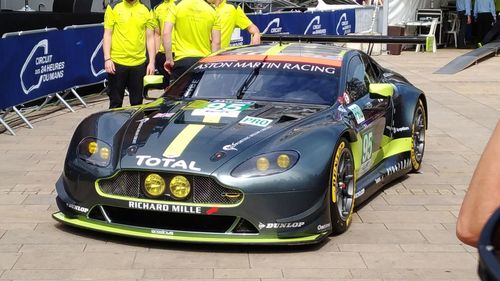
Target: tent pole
{"points": [[385, 22]]}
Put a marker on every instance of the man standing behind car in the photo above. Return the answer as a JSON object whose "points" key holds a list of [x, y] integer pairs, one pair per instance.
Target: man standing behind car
{"points": [[464, 17], [128, 29], [160, 13], [196, 33], [231, 17]]}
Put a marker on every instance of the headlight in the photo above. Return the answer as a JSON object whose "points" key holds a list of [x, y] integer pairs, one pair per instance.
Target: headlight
{"points": [[94, 151], [266, 164], [154, 185]]}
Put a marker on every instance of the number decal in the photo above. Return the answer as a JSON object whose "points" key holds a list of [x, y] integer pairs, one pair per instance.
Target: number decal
{"points": [[367, 147]]}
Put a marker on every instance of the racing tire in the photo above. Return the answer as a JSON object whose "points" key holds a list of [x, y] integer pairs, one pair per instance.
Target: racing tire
{"points": [[342, 187], [418, 137]]}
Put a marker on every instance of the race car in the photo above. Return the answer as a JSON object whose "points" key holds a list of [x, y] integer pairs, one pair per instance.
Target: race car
{"points": [[267, 144]]}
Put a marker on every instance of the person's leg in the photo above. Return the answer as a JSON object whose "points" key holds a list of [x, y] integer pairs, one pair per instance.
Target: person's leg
{"points": [[484, 21], [116, 86], [159, 62], [493, 33], [182, 66], [462, 25], [135, 83]]}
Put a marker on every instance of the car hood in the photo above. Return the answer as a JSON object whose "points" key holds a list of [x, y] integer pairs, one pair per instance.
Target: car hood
{"points": [[200, 135]]}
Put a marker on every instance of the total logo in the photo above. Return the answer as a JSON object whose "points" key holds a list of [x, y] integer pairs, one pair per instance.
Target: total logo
{"points": [[315, 26], [46, 67], [150, 161], [281, 225], [274, 30]]}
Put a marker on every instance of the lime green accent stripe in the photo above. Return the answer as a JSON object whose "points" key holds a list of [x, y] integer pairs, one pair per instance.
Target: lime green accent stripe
{"points": [[83, 222], [276, 49], [389, 148], [182, 140]]}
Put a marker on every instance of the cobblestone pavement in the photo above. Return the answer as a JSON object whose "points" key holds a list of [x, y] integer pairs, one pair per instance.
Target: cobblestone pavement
{"points": [[405, 233]]}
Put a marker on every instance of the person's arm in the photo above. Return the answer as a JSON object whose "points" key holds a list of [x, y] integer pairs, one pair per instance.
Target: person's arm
{"points": [[109, 66], [468, 11], [483, 196], [254, 34], [167, 45], [150, 43], [215, 40]]}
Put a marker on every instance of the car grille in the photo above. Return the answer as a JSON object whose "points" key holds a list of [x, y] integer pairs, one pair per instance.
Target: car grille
{"points": [[204, 189]]}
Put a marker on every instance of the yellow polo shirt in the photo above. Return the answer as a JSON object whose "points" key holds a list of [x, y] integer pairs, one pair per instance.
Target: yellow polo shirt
{"points": [[230, 17], [129, 23], [193, 22], [160, 13]]}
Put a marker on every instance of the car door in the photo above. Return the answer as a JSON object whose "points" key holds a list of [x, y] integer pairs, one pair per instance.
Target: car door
{"points": [[367, 115]]}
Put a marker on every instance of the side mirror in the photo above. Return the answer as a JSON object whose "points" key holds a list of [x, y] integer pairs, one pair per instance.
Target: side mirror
{"points": [[381, 90], [152, 82]]}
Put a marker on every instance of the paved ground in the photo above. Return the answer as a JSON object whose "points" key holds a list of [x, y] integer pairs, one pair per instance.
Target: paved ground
{"points": [[405, 233]]}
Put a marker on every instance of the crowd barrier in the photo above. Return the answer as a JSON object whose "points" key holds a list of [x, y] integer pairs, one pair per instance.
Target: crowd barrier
{"points": [[44, 63]]}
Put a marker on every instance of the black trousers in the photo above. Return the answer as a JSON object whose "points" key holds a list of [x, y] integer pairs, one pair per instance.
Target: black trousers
{"points": [[462, 24], [484, 21], [493, 33], [129, 77], [159, 62], [182, 65]]}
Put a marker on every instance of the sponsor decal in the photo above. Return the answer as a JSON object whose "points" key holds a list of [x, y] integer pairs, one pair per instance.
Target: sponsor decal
{"points": [[358, 113], [347, 98], [343, 26], [77, 208], [162, 231], [281, 225], [46, 66], [221, 108], [401, 165], [233, 145], [341, 108], [212, 210], [323, 226], [359, 193], [182, 209], [138, 130], [397, 130], [316, 27], [255, 121], [150, 161], [305, 67], [164, 115]]}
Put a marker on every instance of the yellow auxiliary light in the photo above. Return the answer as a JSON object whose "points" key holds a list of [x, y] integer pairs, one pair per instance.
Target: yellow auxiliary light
{"points": [[154, 185], [262, 164], [104, 153], [283, 161], [92, 147], [180, 187]]}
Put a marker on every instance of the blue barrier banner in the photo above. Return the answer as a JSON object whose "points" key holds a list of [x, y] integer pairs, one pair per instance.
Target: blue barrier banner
{"points": [[32, 66], [85, 57], [339, 22]]}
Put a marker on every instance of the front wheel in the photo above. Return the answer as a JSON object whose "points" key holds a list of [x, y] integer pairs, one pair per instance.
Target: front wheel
{"points": [[342, 188], [418, 137]]}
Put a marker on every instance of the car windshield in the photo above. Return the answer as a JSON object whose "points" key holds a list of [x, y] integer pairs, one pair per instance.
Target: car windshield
{"points": [[266, 81]]}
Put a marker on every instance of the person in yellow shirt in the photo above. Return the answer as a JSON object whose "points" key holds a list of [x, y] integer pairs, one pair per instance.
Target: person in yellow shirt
{"points": [[128, 29], [196, 29], [160, 16], [232, 16]]}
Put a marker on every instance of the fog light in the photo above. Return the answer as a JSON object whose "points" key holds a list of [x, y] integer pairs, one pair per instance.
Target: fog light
{"points": [[283, 161], [262, 164], [180, 187], [92, 147], [154, 185]]}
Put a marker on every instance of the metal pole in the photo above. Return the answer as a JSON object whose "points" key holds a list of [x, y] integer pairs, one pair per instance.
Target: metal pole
{"points": [[7, 127], [64, 102], [385, 22], [22, 117], [78, 97]]}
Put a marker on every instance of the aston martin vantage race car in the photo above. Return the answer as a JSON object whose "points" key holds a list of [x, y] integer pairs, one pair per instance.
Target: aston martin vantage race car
{"points": [[267, 144]]}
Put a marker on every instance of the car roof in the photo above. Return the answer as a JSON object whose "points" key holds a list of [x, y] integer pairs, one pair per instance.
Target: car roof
{"points": [[296, 52]]}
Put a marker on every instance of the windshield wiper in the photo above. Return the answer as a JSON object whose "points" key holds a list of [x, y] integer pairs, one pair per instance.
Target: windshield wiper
{"points": [[249, 80]]}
